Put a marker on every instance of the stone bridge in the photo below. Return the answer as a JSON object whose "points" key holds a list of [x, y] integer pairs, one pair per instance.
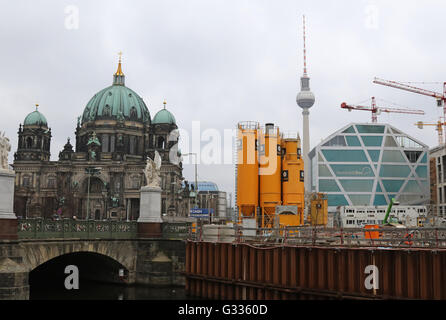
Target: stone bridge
{"points": [[101, 250]]}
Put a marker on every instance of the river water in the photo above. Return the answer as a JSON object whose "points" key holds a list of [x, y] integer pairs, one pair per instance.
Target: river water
{"points": [[101, 291]]}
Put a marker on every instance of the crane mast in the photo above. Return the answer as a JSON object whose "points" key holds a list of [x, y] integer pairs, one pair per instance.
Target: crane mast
{"points": [[439, 127]]}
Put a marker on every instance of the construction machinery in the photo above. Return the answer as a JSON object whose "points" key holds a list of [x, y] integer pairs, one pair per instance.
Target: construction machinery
{"points": [[388, 222], [375, 110], [439, 127], [318, 209]]}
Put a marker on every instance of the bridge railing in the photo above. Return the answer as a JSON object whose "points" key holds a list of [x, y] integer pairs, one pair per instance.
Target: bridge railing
{"points": [[176, 230], [79, 229], [319, 236]]}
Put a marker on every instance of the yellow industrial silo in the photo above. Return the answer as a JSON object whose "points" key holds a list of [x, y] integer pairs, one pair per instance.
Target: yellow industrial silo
{"points": [[247, 170], [292, 179], [270, 163]]}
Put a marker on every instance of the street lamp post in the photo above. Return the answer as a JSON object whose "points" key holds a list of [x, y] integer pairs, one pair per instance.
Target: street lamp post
{"points": [[196, 184]]}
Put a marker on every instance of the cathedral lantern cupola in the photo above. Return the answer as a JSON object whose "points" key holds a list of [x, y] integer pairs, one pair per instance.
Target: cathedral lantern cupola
{"points": [[119, 77], [67, 153], [34, 138], [164, 132]]}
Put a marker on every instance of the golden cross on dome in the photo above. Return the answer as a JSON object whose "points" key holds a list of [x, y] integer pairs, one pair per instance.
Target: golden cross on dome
{"points": [[37, 105], [119, 71]]}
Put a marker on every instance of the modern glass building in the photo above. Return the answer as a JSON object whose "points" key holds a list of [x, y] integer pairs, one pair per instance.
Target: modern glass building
{"points": [[368, 164]]}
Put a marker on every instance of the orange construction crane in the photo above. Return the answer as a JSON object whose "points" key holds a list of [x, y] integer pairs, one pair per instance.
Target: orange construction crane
{"points": [[377, 110], [439, 127]]}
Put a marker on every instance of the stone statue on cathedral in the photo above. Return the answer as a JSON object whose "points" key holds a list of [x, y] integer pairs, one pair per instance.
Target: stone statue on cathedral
{"points": [[5, 147], [152, 171]]}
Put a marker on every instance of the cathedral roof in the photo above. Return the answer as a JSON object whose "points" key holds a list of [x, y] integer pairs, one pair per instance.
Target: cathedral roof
{"points": [[116, 102], [35, 118], [164, 116]]}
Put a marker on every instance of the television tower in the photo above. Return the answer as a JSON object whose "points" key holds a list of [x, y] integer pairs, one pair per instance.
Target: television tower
{"points": [[305, 100]]}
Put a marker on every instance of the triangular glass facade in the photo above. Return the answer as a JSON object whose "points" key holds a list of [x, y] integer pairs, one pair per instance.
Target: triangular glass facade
{"points": [[362, 155]]}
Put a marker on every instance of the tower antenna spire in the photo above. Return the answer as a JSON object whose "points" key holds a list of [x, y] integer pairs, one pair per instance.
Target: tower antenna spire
{"points": [[305, 49]]}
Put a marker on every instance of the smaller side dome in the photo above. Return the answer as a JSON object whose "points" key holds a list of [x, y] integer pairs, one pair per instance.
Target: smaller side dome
{"points": [[164, 116], [35, 118]]}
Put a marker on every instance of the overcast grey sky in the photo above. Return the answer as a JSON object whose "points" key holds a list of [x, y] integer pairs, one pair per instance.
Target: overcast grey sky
{"points": [[220, 62]]}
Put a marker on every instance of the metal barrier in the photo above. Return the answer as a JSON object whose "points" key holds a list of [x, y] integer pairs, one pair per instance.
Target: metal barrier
{"points": [[77, 229], [248, 271], [320, 236], [176, 231]]}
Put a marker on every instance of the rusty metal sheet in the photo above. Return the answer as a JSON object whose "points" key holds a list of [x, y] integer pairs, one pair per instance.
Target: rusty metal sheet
{"points": [[293, 267], [252, 264], [303, 278], [321, 268], [412, 278], [291, 272], [330, 269], [284, 270], [312, 268], [276, 265], [268, 267], [260, 276]]}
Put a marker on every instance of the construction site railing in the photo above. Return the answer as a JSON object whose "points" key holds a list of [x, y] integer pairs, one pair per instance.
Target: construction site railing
{"points": [[428, 237]]}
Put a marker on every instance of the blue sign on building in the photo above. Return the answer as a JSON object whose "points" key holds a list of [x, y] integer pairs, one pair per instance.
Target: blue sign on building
{"points": [[201, 213]]}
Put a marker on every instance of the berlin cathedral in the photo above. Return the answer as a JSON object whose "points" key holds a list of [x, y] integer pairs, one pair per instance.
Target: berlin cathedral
{"points": [[102, 177]]}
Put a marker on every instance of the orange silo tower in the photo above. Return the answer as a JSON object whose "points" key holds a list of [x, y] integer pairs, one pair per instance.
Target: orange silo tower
{"points": [[270, 154], [247, 175], [293, 177]]}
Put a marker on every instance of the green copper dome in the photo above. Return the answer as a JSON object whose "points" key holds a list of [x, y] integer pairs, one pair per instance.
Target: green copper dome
{"points": [[116, 102], [164, 116], [35, 118]]}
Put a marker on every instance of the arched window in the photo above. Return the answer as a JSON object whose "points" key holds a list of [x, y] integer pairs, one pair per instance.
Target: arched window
{"points": [[132, 144], [51, 183], [106, 111], [160, 144], [133, 114], [26, 181], [104, 143], [29, 142], [112, 143], [46, 145]]}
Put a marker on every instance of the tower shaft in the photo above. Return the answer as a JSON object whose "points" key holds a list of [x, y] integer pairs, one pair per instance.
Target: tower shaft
{"points": [[306, 148]]}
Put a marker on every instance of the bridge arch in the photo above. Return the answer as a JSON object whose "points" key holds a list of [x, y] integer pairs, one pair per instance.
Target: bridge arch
{"points": [[90, 272], [124, 253]]}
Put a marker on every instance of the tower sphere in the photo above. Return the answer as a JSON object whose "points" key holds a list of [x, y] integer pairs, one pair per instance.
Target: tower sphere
{"points": [[305, 99]]}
